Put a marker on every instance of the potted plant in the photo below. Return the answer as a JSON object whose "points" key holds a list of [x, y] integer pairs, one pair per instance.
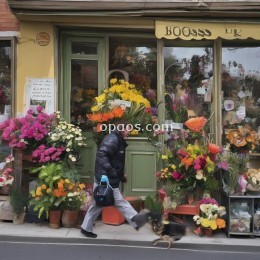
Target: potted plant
{"points": [[210, 217], [18, 201], [73, 202], [155, 206], [47, 194], [47, 137]]}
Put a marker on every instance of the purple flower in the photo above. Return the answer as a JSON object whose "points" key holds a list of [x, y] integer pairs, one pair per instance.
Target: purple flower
{"points": [[150, 93], [223, 165]]}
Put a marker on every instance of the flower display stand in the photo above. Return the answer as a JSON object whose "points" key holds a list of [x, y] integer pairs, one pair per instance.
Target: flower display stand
{"points": [[184, 209]]}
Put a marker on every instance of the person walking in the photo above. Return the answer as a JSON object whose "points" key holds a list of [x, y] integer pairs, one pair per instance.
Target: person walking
{"points": [[110, 161]]}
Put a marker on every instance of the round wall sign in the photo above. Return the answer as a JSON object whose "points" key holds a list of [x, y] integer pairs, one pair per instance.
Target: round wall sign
{"points": [[43, 39]]}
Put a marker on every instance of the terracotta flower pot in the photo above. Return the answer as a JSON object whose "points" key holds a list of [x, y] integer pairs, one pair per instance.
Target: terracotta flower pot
{"points": [[206, 231], [69, 218], [54, 218]]}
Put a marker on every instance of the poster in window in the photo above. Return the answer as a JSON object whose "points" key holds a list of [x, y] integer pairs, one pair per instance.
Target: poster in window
{"points": [[40, 92]]}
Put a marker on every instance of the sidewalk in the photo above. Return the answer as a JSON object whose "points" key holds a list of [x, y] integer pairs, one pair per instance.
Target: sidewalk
{"points": [[122, 232]]}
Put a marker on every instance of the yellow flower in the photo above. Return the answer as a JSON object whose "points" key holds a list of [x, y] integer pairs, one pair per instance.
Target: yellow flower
{"points": [[44, 187], [82, 186], [164, 157], [101, 98], [48, 190], [205, 222], [38, 191], [213, 224], [173, 166], [95, 108], [113, 81]]}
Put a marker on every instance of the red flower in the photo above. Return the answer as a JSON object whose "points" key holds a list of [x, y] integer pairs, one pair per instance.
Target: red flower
{"points": [[213, 148]]}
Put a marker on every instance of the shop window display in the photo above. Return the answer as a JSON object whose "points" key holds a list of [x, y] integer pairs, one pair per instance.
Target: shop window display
{"points": [[188, 82], [135, 60], [241, 98], [5, 80]]}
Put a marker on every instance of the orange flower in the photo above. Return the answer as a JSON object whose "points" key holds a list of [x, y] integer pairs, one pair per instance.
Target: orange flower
{"points": [[213, 148], [95, 117], [187, 162], [220, 223], [118, 112], [196, 123], [59, 192]]}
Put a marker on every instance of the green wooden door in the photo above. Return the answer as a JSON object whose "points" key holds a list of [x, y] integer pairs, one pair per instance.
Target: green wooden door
{"points": [[83, 73], [141, 164]]}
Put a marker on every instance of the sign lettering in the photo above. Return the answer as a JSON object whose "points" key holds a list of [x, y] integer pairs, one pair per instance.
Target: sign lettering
{"points": [[199, 30]]}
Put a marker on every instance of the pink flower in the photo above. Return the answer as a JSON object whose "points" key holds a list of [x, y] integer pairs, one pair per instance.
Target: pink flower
{"points": [[177, 176]]}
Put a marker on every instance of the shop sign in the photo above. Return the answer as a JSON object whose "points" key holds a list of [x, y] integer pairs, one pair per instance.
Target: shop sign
{"points": [[202, 30]]}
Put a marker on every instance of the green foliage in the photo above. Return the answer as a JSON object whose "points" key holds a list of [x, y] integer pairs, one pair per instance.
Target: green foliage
{"points": [[211, 184], [43, 198], [18, 200], [153, 204], [175, 192], [237, 164]]}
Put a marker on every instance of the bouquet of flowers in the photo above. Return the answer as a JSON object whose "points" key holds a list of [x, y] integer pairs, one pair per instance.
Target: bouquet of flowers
{"points": [[243, 138], [234, 166], [211, 214], [122, 102], [190, 164], [48, 137]]}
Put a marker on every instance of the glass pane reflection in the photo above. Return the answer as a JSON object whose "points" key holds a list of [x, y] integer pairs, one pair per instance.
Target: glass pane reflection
{"points": [[84, 48], [188, 80], [84, 89], [241, 97], [5, 80]]}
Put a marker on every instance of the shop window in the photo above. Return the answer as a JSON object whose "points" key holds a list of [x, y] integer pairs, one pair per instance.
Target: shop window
{"points": [[6, 62], [5, 79], [135, 60], [241, 98], [188, 82]]}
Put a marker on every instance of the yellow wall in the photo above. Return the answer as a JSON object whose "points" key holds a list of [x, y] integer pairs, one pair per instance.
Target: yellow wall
{"points": [[33, 60]]}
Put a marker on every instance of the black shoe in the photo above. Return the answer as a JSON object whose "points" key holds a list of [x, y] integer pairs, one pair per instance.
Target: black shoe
{"points": [[88, 234], [140, 219]]}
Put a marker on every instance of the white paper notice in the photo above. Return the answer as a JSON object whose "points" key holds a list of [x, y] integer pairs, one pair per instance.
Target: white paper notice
{"points": [[241, 112], [40, 92]]}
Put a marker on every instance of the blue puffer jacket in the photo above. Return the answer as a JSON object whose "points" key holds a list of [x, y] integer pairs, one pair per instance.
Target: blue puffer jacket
{"points": [[110, 159]]}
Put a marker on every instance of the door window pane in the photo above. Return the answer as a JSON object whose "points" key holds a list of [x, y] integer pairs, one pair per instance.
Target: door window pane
{"points": [[241, 97], [5, 80], [188, 82], [135, 60], [84, 48], [84, 89]]}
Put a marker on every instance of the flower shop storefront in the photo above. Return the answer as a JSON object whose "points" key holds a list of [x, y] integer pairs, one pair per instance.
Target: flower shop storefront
{"points": [[185, 68]]}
